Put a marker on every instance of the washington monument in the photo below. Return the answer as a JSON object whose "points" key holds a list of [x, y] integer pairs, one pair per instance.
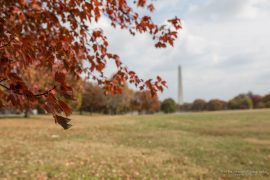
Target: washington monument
{"points": [[180, 87]]}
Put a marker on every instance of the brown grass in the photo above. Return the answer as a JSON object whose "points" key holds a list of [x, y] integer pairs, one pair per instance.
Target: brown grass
{"points": [[181, 146]]}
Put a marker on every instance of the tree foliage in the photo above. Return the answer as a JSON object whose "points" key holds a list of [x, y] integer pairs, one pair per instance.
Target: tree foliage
{"points": [[198, 105], [216, 105], [144, 102], [57, 35], [256, 100], [241, 101], [120, 103], [265, 101], [168, 106], [185, 107], [94, 100]]}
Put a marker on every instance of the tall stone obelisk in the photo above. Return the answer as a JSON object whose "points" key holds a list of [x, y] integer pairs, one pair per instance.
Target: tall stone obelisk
{"points": [[180, 87]]}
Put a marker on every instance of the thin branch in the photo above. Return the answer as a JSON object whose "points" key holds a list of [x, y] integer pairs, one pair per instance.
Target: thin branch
{"points": [[2, 80], [45, 93], [4, 86], [7, 43], [37, 95], [7, 88]]}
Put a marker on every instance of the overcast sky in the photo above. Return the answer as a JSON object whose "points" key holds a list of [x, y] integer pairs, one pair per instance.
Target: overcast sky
{"points": [[223, 48]]}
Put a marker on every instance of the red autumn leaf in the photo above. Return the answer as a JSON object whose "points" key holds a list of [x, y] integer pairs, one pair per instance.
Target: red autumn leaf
{"points": [[160, 45], [159, 78], [164, 84], [60, 77], [151, 7], [67, 92], [141, 3], [100, 66], [65, 107]]}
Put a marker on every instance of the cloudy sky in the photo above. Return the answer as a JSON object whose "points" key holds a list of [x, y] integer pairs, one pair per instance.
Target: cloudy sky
{"points": [[223, 48]]}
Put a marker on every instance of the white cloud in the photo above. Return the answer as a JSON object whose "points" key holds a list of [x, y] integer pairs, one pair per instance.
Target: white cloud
{"points": [[223, 10]]}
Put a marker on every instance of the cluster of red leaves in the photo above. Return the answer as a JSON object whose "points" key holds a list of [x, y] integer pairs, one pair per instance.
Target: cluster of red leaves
{"points": [[56, 36]]}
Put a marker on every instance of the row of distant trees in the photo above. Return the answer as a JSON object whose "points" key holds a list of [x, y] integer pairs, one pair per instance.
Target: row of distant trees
{"points": [[94, 100], [242, 101], [91, 98]]}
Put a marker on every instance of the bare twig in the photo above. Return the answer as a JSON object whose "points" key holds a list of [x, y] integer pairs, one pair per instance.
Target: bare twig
{"points": [[7, 44], [37, 95], [4, 86], [46, 92], [2, 80]]}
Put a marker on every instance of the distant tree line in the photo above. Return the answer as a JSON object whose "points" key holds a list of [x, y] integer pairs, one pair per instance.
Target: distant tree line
{"points": [[91, 98], [94, 100], [242, 101]]}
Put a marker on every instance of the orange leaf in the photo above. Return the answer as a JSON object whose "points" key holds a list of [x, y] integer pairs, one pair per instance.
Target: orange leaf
{"points": [[65, 107]]}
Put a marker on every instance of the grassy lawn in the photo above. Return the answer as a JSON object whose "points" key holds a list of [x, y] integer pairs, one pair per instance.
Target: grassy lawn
{"points": [[219, 145]]}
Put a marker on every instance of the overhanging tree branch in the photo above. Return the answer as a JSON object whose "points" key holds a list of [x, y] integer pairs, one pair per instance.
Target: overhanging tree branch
{"points": [[41, 43], [46, 92], [4, 85], [22, 94], [7, 44], [2, 80]]}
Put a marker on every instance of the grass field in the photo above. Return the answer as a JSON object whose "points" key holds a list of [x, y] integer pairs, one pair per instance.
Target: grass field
{"points": [[219, 145]]}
